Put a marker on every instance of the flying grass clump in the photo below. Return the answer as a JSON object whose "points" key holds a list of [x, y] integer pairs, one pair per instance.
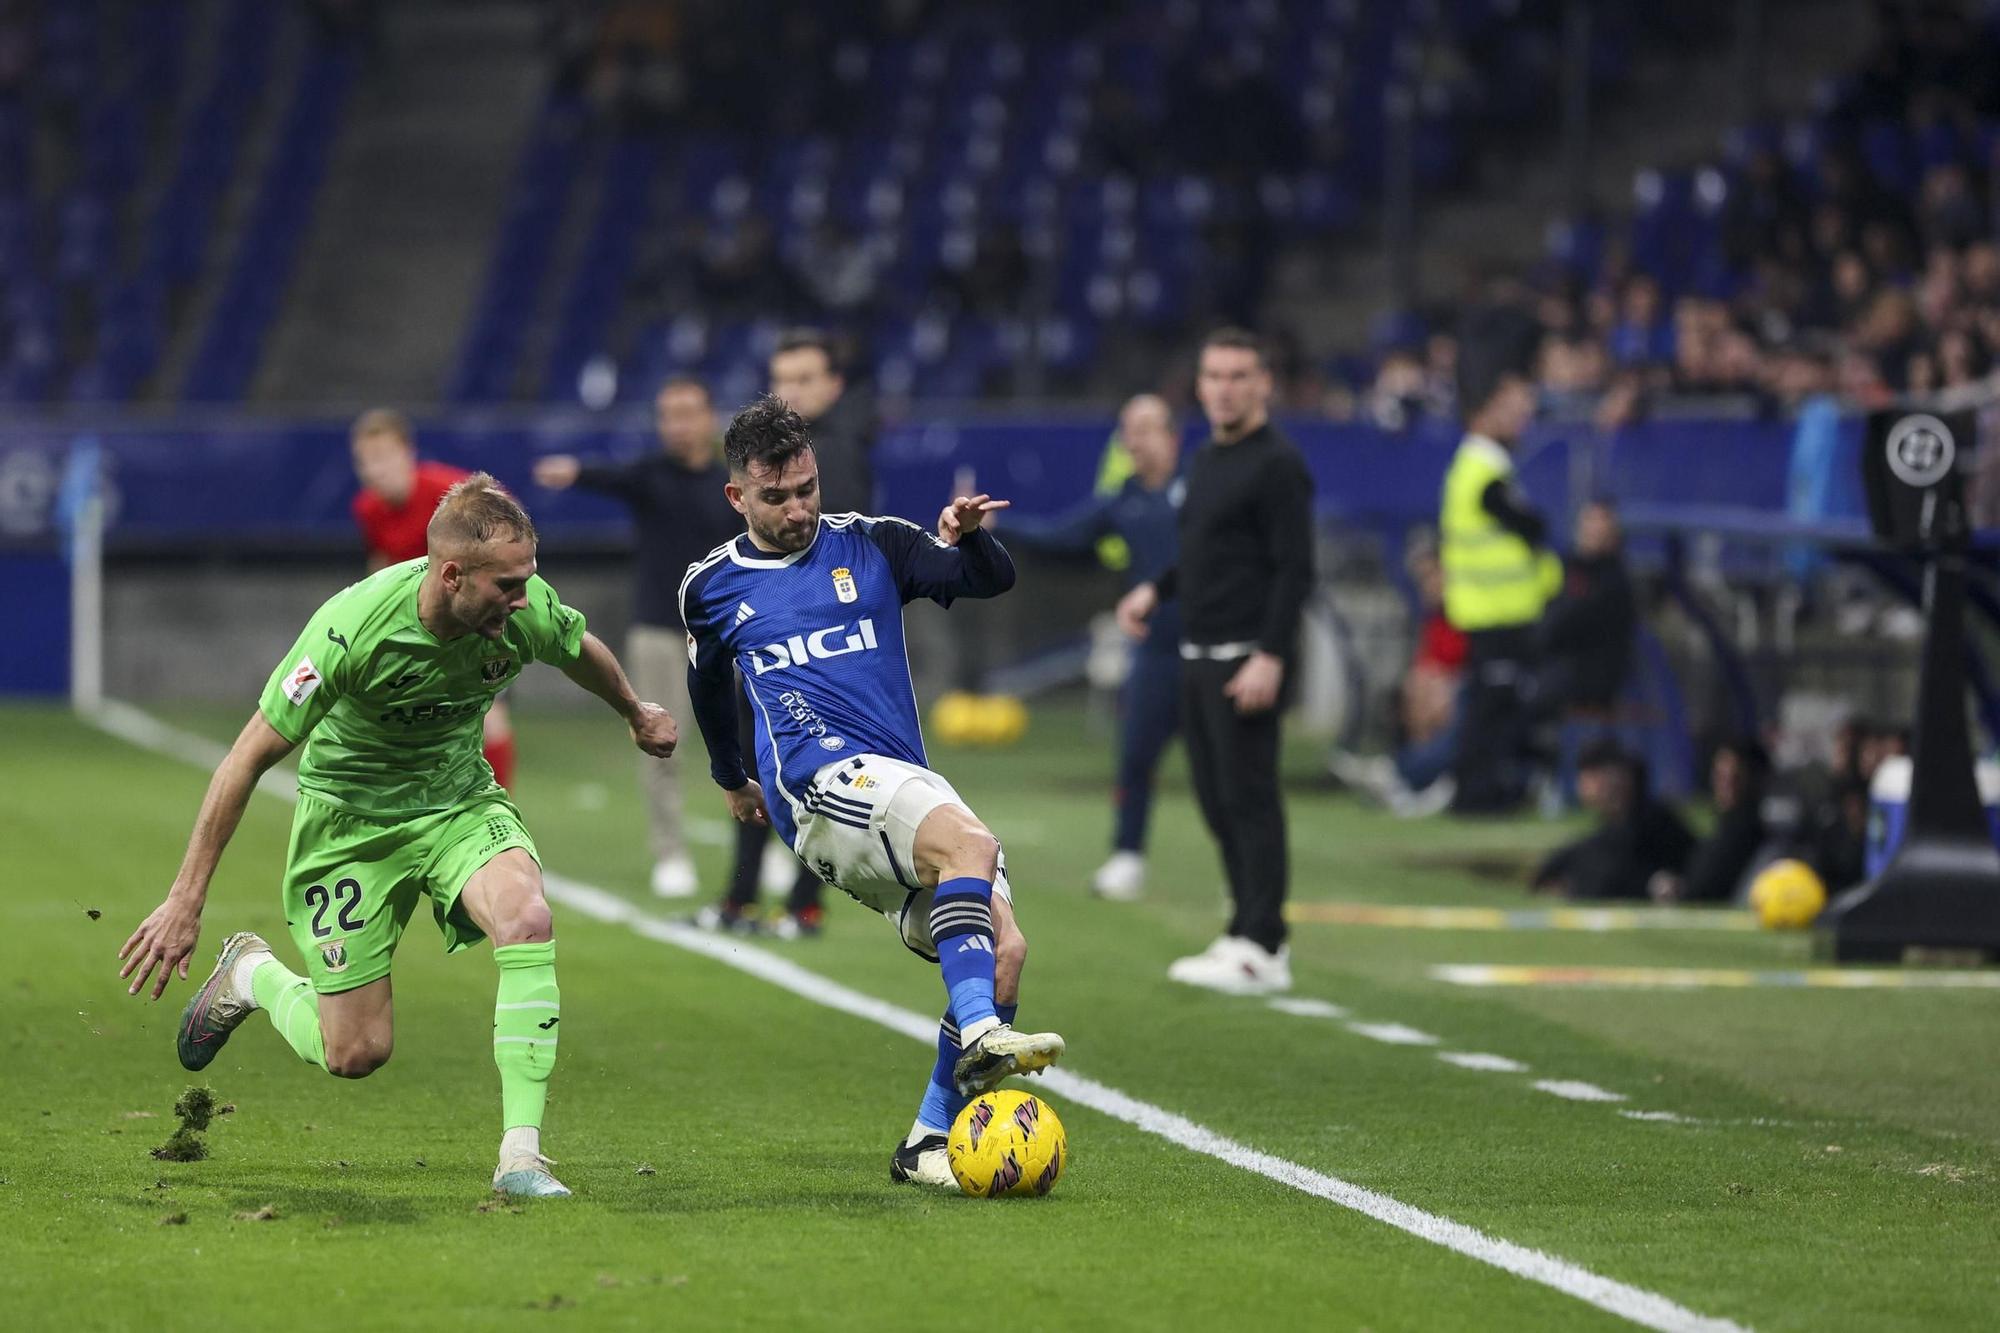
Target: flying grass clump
{"points": [[196, 1109]]}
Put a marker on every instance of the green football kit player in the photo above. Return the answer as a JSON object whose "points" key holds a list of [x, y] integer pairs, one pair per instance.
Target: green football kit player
{"points": [[386, 688]]}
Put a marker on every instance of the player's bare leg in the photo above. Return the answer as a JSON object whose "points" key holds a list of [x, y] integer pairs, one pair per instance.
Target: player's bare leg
{"points": [[349, 1034], [359, 1028], [504, 898]]}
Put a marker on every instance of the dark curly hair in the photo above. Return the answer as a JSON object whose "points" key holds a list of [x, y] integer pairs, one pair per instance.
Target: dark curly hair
{"points": [[767, 433]]}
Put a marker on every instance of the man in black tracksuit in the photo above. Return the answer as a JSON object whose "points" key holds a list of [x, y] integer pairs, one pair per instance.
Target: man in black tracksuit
{"points": [[1245, 568]]}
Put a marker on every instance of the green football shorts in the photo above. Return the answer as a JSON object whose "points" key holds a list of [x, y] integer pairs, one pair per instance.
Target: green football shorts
{"points": [[351, 881]]}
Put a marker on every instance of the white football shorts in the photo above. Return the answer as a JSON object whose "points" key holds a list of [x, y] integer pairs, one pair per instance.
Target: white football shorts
{"points": [[857, 824]]}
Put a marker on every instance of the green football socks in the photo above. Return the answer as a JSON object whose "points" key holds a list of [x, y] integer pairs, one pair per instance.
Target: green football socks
{"points": [[525, 1015], [293, 1008]]}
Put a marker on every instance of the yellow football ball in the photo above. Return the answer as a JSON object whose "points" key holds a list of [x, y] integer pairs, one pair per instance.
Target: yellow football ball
{"points": [[1787, 895], [1003, 719], [1007, 1142], [955, 718]]}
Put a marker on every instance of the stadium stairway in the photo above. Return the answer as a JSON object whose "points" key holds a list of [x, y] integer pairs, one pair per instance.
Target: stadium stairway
{"points": [[1675, 108], [415, 187], [202, 215]]}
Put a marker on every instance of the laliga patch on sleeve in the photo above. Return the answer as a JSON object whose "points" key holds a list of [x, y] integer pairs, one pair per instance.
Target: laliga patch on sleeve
{"points": [[299, 686]]}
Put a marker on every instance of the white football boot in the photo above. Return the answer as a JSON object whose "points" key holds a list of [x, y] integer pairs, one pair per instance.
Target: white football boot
{"points": [[523, 1172], [923, 1160]]}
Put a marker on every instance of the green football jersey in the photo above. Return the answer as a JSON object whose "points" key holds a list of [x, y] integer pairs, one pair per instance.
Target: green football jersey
{"points": [[390, 714]]}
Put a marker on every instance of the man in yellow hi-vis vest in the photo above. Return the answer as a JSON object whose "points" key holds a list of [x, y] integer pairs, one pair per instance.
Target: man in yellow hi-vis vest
{"points": [[1498, 570]]}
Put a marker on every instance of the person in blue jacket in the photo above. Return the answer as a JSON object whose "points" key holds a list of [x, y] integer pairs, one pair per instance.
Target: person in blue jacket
{"points": [[1143, 512]]}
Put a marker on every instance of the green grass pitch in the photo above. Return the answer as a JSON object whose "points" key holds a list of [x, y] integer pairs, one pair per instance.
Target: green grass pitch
{"points": [[1832, 1164]]}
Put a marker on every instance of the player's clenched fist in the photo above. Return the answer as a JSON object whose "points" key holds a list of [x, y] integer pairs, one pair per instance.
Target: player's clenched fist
{"points": [[746, 804], [654, 730]]}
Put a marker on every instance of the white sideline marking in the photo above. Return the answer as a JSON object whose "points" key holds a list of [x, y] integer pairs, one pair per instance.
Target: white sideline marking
{"points": [[1393, 1033], [1306, 1007], [1758, 1121], [1577, 1091], [1645, 1308], [1498, 1064]]}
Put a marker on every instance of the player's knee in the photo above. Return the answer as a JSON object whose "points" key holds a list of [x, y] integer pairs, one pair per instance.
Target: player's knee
{"points": [[359, 1057], [525, 921], [1010, 951], [978, 852]]}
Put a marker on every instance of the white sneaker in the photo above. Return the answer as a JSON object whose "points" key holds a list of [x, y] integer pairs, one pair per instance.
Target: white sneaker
{"points": [[1424, 802], [1366, 771], [1236, 967], [1222, 946], [1122, 878], [777, 870], [526, 1175], [675, 877]]}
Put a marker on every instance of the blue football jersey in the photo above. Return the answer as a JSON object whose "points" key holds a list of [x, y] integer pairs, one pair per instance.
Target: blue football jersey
{"points": [[817, 636]]}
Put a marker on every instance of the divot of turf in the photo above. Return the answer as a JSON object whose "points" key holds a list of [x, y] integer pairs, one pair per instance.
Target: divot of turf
{"points": [[197, 1109]]}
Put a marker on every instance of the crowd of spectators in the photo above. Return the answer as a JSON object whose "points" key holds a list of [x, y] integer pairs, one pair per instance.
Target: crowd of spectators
{"points": [[1857, 256]]}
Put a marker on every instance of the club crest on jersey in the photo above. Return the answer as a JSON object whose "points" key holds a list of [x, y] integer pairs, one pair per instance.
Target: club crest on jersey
{"points": [[843, 584], [820, 644], [334, 955], [495, 669]]}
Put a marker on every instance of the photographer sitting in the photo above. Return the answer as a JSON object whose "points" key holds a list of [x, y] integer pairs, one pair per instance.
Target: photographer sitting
{"points": [[1636, 838]]}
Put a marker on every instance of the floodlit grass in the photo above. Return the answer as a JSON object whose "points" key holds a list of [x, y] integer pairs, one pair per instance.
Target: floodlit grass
{"points": [[1834, 1165]]}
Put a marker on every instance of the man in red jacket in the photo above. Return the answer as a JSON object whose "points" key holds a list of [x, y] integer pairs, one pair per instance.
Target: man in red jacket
{"points": [[393, 510]]}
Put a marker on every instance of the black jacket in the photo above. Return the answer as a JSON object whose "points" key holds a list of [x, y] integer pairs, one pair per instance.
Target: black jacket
{"points": [[1587, 632], [844, 444]]}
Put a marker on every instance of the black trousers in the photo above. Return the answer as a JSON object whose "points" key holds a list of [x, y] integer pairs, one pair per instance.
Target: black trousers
{"points": [[1234, 759], [1494, 756]]}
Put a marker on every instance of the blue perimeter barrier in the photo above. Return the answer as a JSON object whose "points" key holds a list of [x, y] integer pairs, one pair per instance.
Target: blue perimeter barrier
{"points": [[208, 483]]}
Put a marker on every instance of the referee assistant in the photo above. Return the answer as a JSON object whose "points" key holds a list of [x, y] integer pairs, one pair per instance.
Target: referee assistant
{"points": [[1244, 571]]}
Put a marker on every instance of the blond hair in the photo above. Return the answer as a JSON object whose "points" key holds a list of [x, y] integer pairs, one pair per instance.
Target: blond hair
{"points": [[383, 421], [473, 513]]}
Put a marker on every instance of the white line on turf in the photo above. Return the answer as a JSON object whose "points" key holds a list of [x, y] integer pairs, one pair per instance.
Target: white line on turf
{"points": [[1395, 1034], [1645, 1308], [1576, 1090], [1306, 1007], [1498, 1064]]}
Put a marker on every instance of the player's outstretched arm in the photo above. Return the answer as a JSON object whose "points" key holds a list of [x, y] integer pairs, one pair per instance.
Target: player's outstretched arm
{"points": [[163, 942], [596, 669]]}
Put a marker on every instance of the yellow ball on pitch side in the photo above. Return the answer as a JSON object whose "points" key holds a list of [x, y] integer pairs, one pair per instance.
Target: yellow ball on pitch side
{"points": [[955, 718], [1787, 895], [1007, 1142], [1004, 719]]}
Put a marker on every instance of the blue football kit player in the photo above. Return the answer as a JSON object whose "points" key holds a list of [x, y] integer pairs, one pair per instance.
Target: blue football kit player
{"points": [[809, 608]]}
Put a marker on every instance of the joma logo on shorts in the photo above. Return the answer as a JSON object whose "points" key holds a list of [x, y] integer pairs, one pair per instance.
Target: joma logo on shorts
{"points": [[801, 648]]}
